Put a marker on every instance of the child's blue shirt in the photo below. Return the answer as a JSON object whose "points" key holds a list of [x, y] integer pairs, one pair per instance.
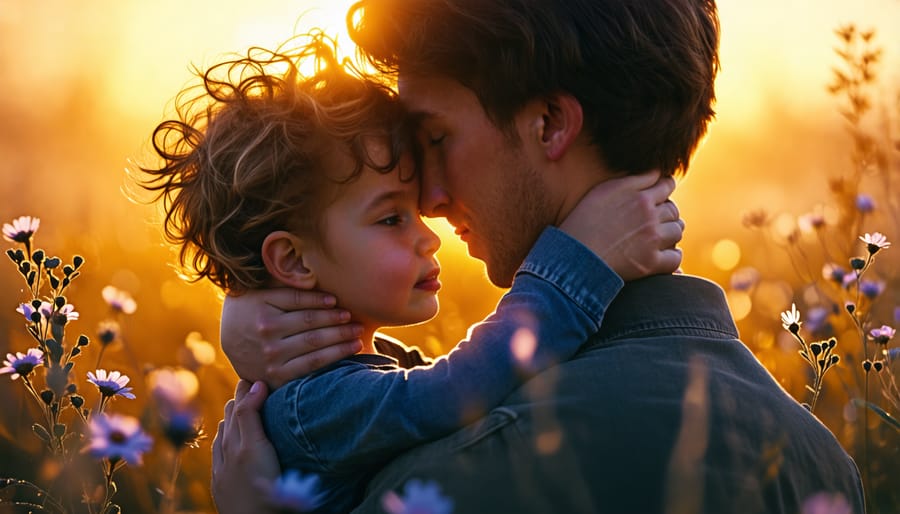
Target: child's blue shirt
{"points": [[346, 421]]}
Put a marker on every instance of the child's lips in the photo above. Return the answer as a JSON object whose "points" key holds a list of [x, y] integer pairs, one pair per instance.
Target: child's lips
{"points": [[430, 282]]}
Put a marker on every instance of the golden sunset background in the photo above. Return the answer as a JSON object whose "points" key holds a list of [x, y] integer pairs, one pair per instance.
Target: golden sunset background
{"points": [[84, 84]]}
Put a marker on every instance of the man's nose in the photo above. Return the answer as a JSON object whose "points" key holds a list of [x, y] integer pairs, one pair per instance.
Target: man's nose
{"points": [[433, 199]]}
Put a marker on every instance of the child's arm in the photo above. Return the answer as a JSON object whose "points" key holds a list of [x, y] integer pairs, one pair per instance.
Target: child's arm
{"points": [[352, 417], [278, 335]]}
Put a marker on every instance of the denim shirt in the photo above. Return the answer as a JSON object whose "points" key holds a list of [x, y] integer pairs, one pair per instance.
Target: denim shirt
{"points": [[346, 421], [662, 410]]}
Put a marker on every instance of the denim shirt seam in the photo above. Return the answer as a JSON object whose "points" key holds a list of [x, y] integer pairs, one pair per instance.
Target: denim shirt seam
{"points": [[693, 329], [301, 433], [558, 271]]}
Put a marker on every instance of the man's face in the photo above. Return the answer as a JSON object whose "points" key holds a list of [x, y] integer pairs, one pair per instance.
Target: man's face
{"points": [[475, 175]]}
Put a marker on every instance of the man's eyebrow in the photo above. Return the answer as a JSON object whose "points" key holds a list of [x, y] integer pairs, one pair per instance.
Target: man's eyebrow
{"points": [[418, 116]]}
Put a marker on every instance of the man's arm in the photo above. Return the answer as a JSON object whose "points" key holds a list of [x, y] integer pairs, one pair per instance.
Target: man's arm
{"points": [[353, 417]]}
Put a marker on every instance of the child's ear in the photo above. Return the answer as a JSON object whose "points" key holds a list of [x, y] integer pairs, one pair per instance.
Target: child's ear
{"points": [[562, 121], [282, 254]]}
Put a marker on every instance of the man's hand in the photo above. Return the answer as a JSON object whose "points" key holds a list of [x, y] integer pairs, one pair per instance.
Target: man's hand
{"points": [[277, 335], [242, 456], [631, 224]]}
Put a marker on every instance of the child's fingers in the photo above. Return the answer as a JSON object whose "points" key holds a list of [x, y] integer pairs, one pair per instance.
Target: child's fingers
{"points": [[670, 261], [668, 211], [670, 234]]}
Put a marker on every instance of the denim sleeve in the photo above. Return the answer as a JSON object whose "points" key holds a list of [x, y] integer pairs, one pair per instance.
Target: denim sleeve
{"points": [[354, 418]]}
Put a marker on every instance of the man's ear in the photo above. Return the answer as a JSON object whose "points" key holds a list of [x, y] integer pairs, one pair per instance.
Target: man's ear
{"points": [[282, 254], [562, 121]]}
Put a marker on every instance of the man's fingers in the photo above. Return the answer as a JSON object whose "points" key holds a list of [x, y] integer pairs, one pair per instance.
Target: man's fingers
{"points": [[308, 323], [290, 299], [307, 363]]}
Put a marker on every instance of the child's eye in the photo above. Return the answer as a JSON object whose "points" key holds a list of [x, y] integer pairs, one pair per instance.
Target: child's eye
{"points": [[434, 141], [391, 221]]}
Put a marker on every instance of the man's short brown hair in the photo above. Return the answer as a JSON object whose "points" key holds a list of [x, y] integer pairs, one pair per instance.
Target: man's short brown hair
{"points": [[643, 70]]}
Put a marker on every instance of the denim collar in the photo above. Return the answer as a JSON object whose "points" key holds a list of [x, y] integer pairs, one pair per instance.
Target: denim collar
{"points": [[668, 305]]}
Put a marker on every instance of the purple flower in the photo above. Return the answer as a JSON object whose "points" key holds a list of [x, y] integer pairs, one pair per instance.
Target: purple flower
{"points": [[744, 279], [65, 314], [21, 229], [834, 273], [118, 437], [849, 279], [295, 491], [865, 204], [45, 310], [22, 364], [183, 428], [111, 384], [119, 300], [893, 353], [871, 288], [817, 322], [418, 498], [826, 503], [882, 334], [811, 221], [26, 310]]}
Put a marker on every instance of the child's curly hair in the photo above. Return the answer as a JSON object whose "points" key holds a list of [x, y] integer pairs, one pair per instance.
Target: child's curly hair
{"points": [[254, 149]]}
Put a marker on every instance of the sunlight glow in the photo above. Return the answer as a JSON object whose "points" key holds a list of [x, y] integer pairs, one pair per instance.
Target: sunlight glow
{"points": [[726, 254], [740, 304]]}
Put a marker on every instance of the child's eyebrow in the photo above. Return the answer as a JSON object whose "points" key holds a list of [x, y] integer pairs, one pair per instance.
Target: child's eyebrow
{"points": [[385, 197]]}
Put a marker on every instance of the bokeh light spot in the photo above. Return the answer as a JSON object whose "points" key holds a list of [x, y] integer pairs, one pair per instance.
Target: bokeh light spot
{"points": [[523, 345], [740, 304], [548, 442], [726, 254], [772, 297]]}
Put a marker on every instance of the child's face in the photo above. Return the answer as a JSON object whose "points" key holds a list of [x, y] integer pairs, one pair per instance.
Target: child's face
{"points": [[379, 261]]}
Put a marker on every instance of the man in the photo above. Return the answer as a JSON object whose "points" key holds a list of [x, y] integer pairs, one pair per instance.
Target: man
{"points": [[522, 107]]}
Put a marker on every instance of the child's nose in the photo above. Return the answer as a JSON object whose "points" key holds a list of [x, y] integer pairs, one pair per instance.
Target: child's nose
{"points": [[429, 242]]}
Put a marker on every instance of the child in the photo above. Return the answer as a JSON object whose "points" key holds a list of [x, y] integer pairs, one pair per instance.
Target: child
{"points": [[270, 178]]}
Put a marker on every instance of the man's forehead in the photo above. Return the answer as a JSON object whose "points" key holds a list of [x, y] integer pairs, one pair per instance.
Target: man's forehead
{"points": [[425, 97]]}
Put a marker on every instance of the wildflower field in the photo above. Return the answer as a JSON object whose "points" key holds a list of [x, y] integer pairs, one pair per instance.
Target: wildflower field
{"points": [[111, 378]]}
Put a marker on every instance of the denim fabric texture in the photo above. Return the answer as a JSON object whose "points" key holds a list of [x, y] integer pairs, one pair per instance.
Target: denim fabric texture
{"points": [[346, 421], [663, 410]]}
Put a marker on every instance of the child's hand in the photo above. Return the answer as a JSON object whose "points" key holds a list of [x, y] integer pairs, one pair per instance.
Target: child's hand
{"points": [[278, 335], [631, 224]]}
